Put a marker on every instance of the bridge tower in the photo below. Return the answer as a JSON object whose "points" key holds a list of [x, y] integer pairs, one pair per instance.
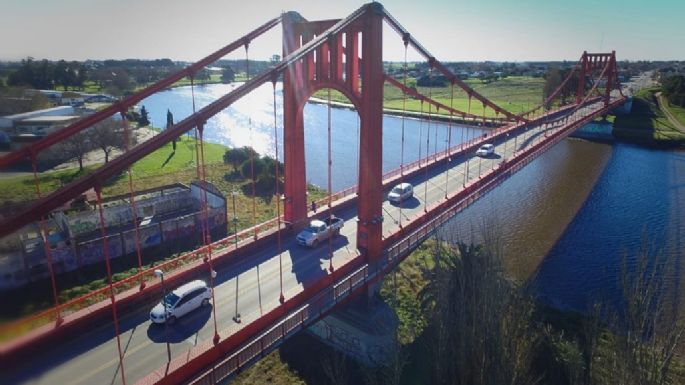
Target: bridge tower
{"points": [[591, 63], [337, 64]]}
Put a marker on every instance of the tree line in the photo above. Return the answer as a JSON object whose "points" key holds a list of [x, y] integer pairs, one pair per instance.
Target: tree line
{"points": [[45, 74], [673, 88]]}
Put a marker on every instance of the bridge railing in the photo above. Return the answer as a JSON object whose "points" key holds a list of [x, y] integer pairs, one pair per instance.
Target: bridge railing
{"points": [[26, 324], [270, 339]]}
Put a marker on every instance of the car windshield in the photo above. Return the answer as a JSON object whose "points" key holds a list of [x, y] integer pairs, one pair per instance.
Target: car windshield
{"points": [[170, 299], [311, 229], [397, 190]]}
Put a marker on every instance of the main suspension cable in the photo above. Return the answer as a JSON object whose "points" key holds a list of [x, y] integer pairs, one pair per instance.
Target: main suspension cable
{"points": [[46, 247], [134, 209], [112, 297]]}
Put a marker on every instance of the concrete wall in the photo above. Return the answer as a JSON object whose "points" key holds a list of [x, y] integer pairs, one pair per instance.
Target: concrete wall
{"points": [[23, 266], [121, 214]]}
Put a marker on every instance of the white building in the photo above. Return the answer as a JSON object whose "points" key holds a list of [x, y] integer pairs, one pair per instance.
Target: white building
{"points": [[8, 122]]}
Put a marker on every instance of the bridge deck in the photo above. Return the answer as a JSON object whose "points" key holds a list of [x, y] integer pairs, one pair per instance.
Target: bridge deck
{"points": [[92, 357]]}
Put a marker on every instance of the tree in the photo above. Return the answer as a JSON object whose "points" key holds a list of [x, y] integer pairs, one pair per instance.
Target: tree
{"points": [[169, 123], [674, 89], [61, 76], [15, 100], [552, 82], [107, 135], [81, 76], [75, 147], [120, 81], [554, 77], [144, 120], [227, 75], [203, 75], [247, 167], [648, 320], [481, 329], [237, 156]]}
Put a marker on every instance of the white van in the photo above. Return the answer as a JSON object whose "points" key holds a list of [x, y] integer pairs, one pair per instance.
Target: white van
{"points": [[181, 302]]}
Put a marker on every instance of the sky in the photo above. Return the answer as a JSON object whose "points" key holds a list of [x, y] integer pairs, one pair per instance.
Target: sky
{"points": [[452, 30]]}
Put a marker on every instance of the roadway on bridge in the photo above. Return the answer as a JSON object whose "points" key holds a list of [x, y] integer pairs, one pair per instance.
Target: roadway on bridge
{"points": [[92, 357]]}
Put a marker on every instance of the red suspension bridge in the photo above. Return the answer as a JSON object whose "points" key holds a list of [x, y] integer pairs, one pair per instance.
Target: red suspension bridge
{"points": [[277, 287]]}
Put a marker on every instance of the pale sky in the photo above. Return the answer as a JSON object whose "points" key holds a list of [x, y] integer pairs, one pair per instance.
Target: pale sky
{"points": [[453, 30]]}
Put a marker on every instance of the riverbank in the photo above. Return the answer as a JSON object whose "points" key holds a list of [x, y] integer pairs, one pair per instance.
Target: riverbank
{"points": [[647, 124], [413, 114]]}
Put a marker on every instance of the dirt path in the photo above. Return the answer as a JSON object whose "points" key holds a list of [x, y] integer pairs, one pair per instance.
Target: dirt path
{"points": [[667, 112]]}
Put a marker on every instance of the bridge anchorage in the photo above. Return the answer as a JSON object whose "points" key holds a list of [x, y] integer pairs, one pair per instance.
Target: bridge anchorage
{"points": [[316, 55]]}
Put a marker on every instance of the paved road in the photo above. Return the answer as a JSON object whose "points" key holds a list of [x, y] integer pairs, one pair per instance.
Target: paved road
{"points": [[92, 358]]}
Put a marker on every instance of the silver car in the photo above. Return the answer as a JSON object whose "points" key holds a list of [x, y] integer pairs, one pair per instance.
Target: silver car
{"points": [[401, 192], [181, 301]]}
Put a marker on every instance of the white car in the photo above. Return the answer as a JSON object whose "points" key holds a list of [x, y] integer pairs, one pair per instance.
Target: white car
{"points": [[401, 192], [486, 150], [181, 301]]}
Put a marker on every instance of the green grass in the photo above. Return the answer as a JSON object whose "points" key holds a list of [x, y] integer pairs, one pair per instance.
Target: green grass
{"points": [[269, 370], [646, 123], [515, 94], [677, 111], [22, 189], [89, 86], [402, 293]]}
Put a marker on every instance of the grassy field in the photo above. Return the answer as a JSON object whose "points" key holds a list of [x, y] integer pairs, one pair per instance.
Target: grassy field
{"points": [[646, 123], [677, 111], [89, 86], [515, 94]]}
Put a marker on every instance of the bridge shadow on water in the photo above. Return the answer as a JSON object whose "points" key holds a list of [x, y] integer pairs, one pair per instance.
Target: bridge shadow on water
{"points": [[184, 327]]}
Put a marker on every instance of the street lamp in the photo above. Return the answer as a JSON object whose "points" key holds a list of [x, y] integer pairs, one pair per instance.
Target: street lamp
{"points": [[235, 219], [236, 317], [160, 274], [212, 277]]}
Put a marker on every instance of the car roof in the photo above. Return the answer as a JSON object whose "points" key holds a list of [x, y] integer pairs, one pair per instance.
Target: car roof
{"points": [[403, 185], [317, 223], [487, 145], [190, 286]]}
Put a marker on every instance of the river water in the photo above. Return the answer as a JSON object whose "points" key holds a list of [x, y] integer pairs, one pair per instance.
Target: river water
{"points": [[564, 222]]}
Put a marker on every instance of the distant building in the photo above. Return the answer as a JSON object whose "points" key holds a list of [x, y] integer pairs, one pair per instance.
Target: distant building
{"points": [[74, 99], [99, 98], [8, 122], [42, 125]]}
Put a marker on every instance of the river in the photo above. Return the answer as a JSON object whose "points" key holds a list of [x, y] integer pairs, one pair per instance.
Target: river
{"points": [[564, 222]]}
